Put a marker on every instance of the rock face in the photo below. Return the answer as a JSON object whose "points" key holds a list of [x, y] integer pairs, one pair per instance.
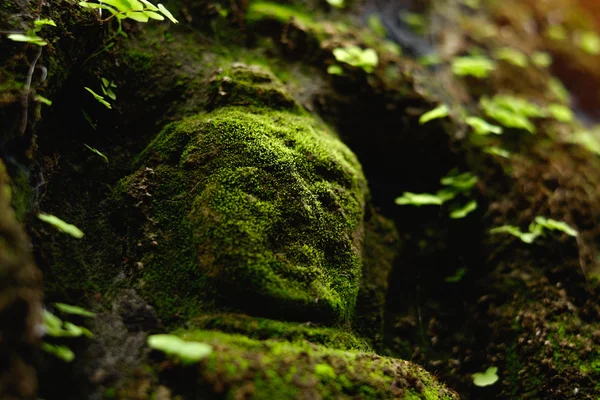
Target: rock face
{"points": [[261, 207]]}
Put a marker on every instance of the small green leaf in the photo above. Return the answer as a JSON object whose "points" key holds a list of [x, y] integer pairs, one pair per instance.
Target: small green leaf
{"points": [[477, 66], [167, 13], [457, 277], [464, 211], [41, 22], [186, 352], [561, 113], [497, 151], [336, 3], [418, 199], [556, 32], [482, 127], [463, 182], [541, 59], [440, 111], [335, 70], [153, 15], [149, 5], [42, 99], [62, 352], [69, 309], [589, 42], [552, 225], [98, 97], [512, 56], [487, 378], [366, 59], [559, 90], [415, 21], [61, 225], [138, 16], [33, 39], [527, 237], [105, 82], [97, 152]]}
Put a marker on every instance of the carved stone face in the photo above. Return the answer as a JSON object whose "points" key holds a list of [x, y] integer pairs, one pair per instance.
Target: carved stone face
{"points": [[255, 210]]}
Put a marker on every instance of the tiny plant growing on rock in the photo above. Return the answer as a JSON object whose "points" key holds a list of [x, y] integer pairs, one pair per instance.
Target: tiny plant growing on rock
{"points": [[186, 352], [366, 59], [487, 378], [536, 229], [441, 111]]}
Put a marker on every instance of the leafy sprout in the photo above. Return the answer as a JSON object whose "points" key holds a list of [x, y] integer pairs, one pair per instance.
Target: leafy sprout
{"points": [[511, 112], [137, 10], [336, 3], [541, 59], [560, 112], [512, 56], [31, 35], [536, 229], [355, 56], [97, 152], [61, 225], [441, 111], [99, 98], [74, 310], [455, 184], [458, 275], [589, 42], [487, 378], [477, 66], [497, 151], [482, 127], [60, 351], [184, 351]]}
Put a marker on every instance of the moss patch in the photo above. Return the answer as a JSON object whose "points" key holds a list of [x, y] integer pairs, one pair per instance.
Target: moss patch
{"points": [[260, 208]]}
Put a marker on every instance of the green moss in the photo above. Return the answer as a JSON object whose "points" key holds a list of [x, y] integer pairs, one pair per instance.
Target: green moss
{"points": [[262, 328], [138, 61], [282, 370], [260, 208]]}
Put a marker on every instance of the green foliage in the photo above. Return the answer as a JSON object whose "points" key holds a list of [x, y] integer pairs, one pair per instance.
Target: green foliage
{"points": [[355, 56], [336, 3], [463, 211], [186, 352], [559, 90], [561, 113], [42, 99], [487, 378], [61, 225], [456, 184], [99, 98], [512, 56], [512, 112], [541, 59], [440, 111], [60, 351], [482, 127], [536, 229], [588, 41], [457, 277], [497, 151], [335, 70], [74, 310], [556, 32], [419, 199], [56, 327], [137, 10], [477, 66], [31, 35], [107, 88], [97, 152]]}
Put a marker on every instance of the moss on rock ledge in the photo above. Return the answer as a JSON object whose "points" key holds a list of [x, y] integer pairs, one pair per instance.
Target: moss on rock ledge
{"points": [[260, 209], [241, 367]]}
